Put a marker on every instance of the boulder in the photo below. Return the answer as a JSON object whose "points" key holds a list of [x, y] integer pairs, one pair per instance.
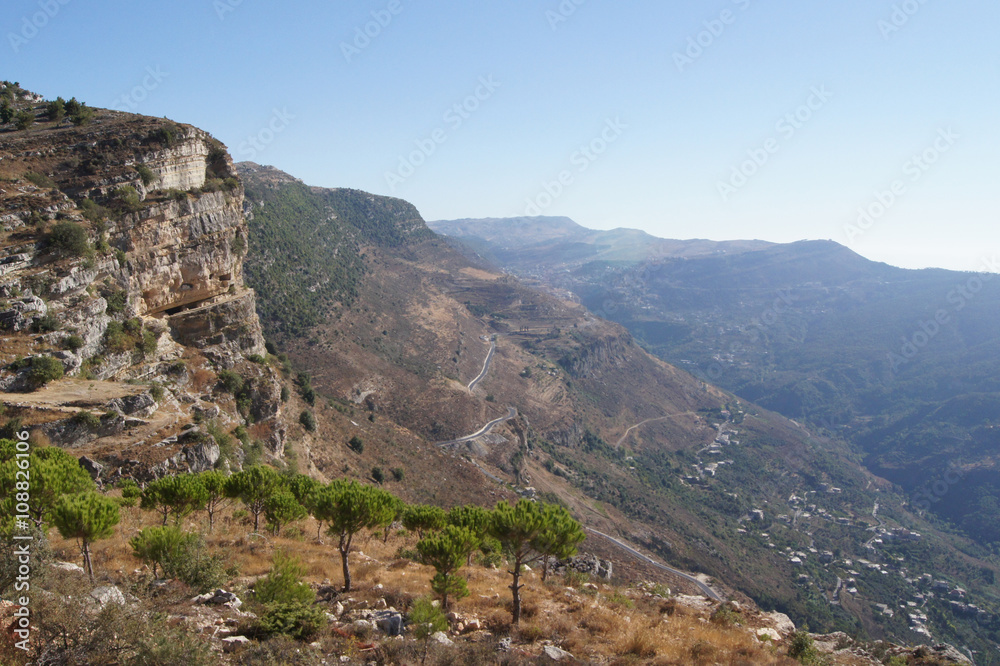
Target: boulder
{"points": [[442, 638], [780, 622], [390, 622], [557, 654], [108, 594], [767, 634], [234, 643]]}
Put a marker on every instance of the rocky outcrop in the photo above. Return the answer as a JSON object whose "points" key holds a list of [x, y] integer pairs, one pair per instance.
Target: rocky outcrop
{"points": [[159, 288]]}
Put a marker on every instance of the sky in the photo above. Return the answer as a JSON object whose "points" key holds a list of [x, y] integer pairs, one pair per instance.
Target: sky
{"points": [[869, 122]]}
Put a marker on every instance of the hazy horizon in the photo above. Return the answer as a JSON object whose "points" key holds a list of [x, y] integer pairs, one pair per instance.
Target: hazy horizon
{"points": [[871, 124]]}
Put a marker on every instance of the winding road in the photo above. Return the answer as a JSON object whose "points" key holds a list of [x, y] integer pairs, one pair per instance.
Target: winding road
{"points": [[659, 418], [705, 589], [511, 413], [486, 365]]}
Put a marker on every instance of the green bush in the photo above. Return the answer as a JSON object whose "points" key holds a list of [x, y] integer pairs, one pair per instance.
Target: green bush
{"points": [[146, 174], [378, 475], [116, 302], [72, 342], [308, 421], [82, 115], [69, 239], [356, 444], [295, 620], [44, 369], [92, 211], [230, 381], [39, 179], [156, 392], [801, 647], [24, 119], [55, 110], [87, 419], [283, 584], [46, 324], [126, 198]]}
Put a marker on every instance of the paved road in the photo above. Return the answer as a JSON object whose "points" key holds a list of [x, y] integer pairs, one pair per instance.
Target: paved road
{"points": [[486, 365], [705, 589], [511, 413]]}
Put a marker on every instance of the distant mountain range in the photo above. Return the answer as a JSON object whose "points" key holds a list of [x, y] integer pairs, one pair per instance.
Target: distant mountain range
{"points": [[902, 364]]}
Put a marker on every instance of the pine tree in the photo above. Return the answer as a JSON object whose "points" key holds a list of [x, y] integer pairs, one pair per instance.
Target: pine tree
{"points": [[178, 496], [350, 507], [253, 487], [447, 551], [88, 517]]}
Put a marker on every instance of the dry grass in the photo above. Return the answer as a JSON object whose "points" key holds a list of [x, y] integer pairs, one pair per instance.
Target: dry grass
{"points": [[595, 627]]}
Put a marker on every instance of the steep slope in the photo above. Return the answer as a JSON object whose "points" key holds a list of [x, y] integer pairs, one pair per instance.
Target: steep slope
{"points": [[818, 333], [122, 244], [635, 447]]}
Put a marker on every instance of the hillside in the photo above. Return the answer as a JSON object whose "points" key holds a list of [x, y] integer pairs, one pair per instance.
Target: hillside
{"points": [[635, 447], [902, 364], [132, 341], [122, 245]]}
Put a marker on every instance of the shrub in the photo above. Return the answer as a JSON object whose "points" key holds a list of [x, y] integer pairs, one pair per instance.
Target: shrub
{"points": [[146, 174], [257, 358], [801, 647], [87, 419], [397, 474], [116, 302], [92, 211], [230, 381], [378, 475], [46, 324], [295, 620], [308, 421], [127, 198], [69, 239], [44, 369], [156, 392], [285, 394], [55, 110], [72, 342], [356, 444], [82, 115], [24, 119], [39, 179], [283, 584]]}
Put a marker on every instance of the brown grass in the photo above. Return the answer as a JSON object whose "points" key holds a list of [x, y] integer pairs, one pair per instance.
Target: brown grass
{"points": [[589, 626]]}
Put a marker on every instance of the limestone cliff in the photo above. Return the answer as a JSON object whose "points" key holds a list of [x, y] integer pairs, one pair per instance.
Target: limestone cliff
{"points": [[121, 256]]}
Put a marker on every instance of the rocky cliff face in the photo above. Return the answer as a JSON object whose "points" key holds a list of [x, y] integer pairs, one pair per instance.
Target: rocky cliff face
{"points": [[121, 257]]}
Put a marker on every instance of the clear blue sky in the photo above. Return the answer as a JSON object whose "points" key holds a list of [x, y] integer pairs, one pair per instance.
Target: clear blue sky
{"points": [[672, 131]]}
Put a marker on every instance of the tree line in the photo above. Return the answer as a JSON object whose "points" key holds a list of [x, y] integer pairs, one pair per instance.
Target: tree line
{"points": [[63, 495]]}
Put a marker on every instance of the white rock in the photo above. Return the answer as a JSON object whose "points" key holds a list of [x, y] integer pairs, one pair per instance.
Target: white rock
{"points": [[442, 638], [781, 622], [556, 654], [107, 595], [67, 566], [768, 634], [233, 643]]}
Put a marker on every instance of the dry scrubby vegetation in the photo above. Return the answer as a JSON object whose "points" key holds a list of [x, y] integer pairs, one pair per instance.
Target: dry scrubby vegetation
{"points": [[278, 572]]}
